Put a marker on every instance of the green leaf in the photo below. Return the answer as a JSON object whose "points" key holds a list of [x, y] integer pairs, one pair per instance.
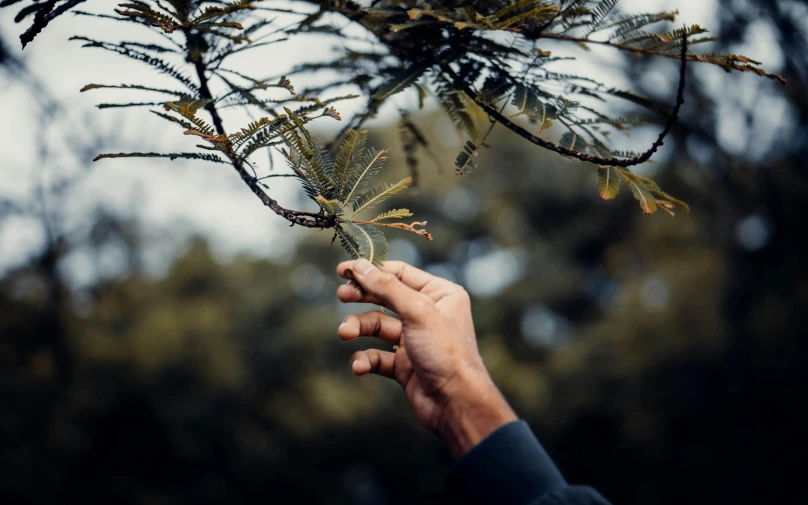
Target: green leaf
{"points": [[421, 95], [608, 182], [624, 23], [524, 100], [676, 201], [333, 207], [247, 133], [641, 193], [600, 12], [332, 112], [394, 214], [399, 83], [465, 162], [348, 242], [308, 160], [372, 245], [495, 88], [544, 115], [379, 194], [457, 105], [187, 108], [270, 135], [370, 166], [133, 86], [350, 151], [172, 156], [572, 140]]}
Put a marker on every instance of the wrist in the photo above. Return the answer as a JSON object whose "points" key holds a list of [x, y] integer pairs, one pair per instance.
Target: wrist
{"points": [[474, 408]]}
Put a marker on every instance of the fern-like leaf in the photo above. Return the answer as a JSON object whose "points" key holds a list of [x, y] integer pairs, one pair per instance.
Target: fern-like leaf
{"points": [[316, 163], [187, 108], [465, 162], [333, 207], [357, 177], [646, 200], [399, 83], [608, 183], [161, 65], [172, 92], [377, 195], [572, 140], [372, 245], [458, 107], [348, 242], [351, 150], [172, 156], [393, 214]]}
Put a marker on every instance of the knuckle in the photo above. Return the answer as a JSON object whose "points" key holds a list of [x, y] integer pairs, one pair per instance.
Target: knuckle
{"points": [[385, 280], [375, 360], [374, 323], [394, 266], [421, 304]]}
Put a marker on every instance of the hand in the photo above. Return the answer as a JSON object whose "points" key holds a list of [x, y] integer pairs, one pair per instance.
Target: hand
{"points": [[437, 361]]}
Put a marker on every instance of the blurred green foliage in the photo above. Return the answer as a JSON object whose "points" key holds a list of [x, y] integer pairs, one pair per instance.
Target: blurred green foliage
{"points": [[223, 380]]}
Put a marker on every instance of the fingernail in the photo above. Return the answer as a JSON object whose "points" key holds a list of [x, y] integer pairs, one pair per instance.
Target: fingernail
{"points": [[362, 266], [356, 287], [349, 273]]}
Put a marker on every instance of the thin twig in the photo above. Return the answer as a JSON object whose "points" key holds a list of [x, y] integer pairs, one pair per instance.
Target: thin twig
{"points": [[275, 175], [622, 47]]}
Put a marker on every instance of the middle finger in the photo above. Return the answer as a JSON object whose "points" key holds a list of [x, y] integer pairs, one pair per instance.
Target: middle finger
{"points": [[371, 324]]}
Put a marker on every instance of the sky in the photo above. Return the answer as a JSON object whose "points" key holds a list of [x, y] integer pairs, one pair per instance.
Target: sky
{"points": [[167, 196]]}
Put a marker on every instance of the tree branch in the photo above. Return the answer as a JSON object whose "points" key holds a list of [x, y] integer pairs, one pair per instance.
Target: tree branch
{"points": [[615, 162], [307, 219]]}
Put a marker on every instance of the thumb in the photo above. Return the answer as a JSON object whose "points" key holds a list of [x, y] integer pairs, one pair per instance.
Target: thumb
{"points": [[400, 298]]}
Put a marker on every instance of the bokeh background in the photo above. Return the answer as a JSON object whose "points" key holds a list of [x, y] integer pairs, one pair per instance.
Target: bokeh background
{"points": [[166, 340]]}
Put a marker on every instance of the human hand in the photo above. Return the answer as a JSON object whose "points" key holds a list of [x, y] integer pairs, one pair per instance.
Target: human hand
{"points": [[437, 362]]}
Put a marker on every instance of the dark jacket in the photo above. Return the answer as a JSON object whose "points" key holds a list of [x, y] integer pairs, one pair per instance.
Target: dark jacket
{"points": [[510, 467]]}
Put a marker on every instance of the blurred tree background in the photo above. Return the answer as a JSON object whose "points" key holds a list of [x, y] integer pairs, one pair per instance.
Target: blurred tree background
{"points": [[660, 360]]}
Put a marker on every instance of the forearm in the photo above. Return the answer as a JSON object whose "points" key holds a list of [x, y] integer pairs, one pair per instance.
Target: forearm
{"points": [[498, 459], [474, 409]]}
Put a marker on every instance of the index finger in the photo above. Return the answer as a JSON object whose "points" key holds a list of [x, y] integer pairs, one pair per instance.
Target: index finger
{"points": [[385, 287], [410, 276], [413, 277]]}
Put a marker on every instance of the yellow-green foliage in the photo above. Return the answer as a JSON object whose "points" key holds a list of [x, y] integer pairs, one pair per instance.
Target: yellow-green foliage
{"points": [[432, 47]]}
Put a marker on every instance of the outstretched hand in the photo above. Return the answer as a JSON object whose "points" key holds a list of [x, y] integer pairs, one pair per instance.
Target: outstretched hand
{"points": [[437, 362]]}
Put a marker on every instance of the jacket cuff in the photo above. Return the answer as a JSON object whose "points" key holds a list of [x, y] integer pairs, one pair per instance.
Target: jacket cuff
{"points": [[508, 466]]}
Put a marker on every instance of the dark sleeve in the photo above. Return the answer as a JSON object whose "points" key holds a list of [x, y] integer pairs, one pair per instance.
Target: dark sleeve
{"points": [[510, 467]]}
